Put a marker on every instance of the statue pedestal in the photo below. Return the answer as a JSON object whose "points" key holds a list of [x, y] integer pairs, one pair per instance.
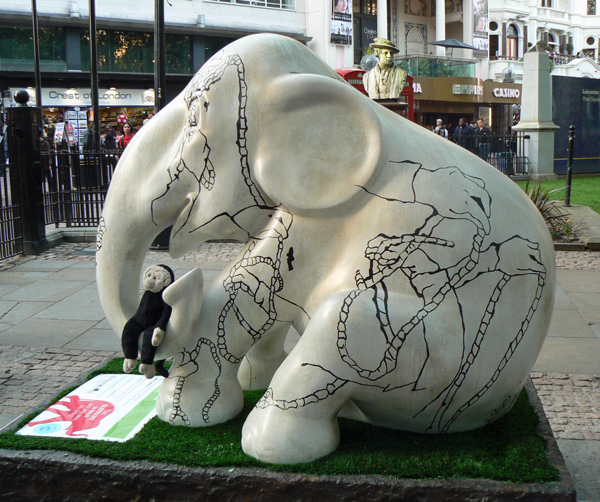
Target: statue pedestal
{"points": [[398, 107], [536, 114]]}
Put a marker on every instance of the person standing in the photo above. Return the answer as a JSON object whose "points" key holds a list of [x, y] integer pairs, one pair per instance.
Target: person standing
{"points": [[440, 129], [463, 134], [483, 138], [110, 138], [128, 134], [88, 138]]}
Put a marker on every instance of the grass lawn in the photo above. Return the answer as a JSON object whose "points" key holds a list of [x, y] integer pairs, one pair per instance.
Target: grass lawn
{"points": [[508, 450], [584, 191]]}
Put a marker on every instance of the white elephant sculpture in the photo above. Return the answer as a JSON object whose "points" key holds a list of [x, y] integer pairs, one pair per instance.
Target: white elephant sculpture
{"points": [[420, 279]]}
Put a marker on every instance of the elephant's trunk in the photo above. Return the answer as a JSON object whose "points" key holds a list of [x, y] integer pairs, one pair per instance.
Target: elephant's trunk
{"points": [[128, 224]]}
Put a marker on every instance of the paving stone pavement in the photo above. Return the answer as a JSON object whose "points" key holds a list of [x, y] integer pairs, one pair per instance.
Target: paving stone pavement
{"points": [[31, 376], [571, 404]]}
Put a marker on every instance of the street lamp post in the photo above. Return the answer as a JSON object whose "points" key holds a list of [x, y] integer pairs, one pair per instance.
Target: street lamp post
{"points": [[94, 76], [160, 82], [36, 55], [160, 91]]}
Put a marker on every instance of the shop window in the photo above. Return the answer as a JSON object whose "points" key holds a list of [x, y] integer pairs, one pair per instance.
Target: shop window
{"points": [[512, 42], [369, 7], [133, 52], [212, 45], [16, 49], [274, 4]]}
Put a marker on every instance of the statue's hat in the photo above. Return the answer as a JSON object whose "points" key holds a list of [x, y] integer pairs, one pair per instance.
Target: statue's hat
{"points": [[384, 43]]}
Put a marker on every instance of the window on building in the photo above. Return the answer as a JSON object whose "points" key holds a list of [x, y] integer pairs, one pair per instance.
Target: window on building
{"points": [[370, 7], [16, 49], [546, 3], [274, 4], [133, 52], [512, 42], [591, 7], [493, 47], [212, 45]]}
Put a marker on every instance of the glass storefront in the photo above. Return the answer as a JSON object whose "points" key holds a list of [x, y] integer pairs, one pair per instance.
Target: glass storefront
{"points": [[133, 52], [16, 49]]}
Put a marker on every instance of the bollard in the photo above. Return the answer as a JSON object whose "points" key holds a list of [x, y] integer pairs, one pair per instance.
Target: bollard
{"points": [[570, 166]]}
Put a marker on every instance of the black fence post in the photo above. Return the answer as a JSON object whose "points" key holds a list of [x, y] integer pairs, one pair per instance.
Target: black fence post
{"points": [[570, 166], [26, 154]]}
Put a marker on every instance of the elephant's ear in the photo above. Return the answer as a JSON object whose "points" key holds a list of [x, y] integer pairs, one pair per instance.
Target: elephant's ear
{"points": [[319, 140]]}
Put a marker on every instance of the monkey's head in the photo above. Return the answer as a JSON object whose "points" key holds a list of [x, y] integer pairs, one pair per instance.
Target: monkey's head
{"points": [[157, 278]]}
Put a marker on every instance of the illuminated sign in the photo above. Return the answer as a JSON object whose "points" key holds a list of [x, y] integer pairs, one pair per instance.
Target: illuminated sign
{"points": [[506, 92]]}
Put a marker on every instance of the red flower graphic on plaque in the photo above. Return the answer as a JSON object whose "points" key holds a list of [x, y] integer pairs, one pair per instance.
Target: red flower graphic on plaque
{"points": [[83, 414]]}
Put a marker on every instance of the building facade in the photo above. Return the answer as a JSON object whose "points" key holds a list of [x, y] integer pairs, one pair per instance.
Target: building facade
{"points": [[568, 29]]}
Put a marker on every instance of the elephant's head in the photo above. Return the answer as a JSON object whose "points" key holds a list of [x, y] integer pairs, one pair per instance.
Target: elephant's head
{"points": [[264, 123]]}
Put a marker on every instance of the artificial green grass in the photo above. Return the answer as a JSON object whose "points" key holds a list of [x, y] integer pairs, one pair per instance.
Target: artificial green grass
{"points": [[584, 191], [507, 450]]}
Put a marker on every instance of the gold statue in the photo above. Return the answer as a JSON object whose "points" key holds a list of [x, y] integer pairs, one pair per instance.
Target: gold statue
{"points": [[384, 80]]}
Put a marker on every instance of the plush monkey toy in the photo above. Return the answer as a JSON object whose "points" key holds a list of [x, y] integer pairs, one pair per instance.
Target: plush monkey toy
{"points": [[150, 321]]}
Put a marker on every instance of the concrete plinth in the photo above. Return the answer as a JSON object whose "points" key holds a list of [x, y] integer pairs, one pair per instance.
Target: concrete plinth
{"points": [[27, 475]]}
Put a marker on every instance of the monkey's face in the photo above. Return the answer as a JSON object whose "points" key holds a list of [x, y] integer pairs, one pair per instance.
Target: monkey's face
{"points": [[156, 278]]}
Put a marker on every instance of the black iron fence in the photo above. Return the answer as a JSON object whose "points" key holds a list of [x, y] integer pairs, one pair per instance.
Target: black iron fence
{"points": [[70, 185], [11, 234], [75, 186], [507, 152]]}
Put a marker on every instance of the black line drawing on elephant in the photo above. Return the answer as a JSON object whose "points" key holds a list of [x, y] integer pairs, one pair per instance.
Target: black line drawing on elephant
{"points": [[185, 364], [197, 103], [253, 285], [419, 256]]}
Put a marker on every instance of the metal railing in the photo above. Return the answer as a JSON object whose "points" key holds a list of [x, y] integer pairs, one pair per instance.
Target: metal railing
{"points": [[506, 152], [11, 235], [75, 186]]}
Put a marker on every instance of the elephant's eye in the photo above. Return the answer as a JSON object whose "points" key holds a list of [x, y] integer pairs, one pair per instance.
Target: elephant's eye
{"points": [[206, 104]]}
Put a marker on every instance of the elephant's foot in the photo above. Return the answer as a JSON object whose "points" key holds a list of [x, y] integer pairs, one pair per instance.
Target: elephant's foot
{"points": [[186, 401], [288, 437]]}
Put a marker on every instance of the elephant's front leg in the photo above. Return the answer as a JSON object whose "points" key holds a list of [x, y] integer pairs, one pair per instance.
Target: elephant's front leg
{"points": [[295, 421], [202, 388]]}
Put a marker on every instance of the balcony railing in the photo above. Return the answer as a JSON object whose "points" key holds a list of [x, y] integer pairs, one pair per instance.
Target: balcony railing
{"points": [[435, 66]]}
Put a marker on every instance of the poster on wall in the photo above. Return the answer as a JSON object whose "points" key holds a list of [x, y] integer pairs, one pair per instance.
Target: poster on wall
{"points": [[341, 22], [480, 24], [59, 132]]}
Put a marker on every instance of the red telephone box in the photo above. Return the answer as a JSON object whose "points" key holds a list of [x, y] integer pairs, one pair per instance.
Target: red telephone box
{"points": [[354, 76]]}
